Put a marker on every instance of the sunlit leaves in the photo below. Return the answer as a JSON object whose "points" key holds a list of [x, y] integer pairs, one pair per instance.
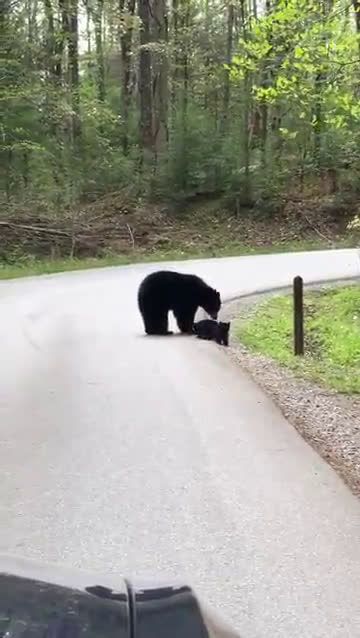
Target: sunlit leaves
{"points": [[298, 55]]}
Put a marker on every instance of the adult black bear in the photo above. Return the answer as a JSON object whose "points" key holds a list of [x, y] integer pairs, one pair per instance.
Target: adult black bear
{"points": [[167, 290], [213, 331]]}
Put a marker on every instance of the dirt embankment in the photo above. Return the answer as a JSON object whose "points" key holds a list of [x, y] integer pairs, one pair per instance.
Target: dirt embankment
{"points": [[118, 224]]}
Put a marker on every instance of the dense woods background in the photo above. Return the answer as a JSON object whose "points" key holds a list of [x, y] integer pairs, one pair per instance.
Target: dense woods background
{"points": [[171, 98]]}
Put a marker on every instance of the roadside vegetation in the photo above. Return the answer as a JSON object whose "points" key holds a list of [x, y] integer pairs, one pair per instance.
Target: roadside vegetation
{"points": [[332, 336], [27, 266]]}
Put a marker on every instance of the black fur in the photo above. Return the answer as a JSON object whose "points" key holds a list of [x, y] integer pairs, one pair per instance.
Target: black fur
{"points": [[213, 331], [167, 290]]}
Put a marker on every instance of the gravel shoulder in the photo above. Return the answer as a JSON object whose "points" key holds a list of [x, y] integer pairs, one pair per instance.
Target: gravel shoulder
{"points": [[328, 421]]}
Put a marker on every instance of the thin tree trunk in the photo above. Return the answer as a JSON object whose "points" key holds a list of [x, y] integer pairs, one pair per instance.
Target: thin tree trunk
{"points": [[229, 53], [247, 191], [246, 139], [318, 120], [327, 171], [160, 77], [73, 55], [318, 114], [207, 55], [264, 109], [145, 92], [176, 55], [54, 45], [356, 5], [8, 174], [126, 46], [30, 65], [185, 90], [88, 29], [100, 66]]}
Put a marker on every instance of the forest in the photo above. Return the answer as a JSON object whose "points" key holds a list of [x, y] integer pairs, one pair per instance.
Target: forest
{"points": [[124, 109]]}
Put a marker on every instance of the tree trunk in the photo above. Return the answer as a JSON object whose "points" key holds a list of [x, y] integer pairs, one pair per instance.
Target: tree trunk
{"points": [[88, 30], [327, 170], [73, 57], [356, 5], [264, 109], [254, 9], [176, 55], [320, 79], [126, 45], [229, 53], [145, 92], [160, 77], [100, 66], [207, 55], [246, 195], [185, 10], [318, 120], [54, 45]]}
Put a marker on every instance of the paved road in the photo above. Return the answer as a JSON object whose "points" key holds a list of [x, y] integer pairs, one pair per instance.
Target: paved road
{"points": [[147, 455]]}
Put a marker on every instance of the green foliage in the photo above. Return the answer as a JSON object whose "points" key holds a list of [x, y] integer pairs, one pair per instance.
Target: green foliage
{"points": [[303, 69], [287, 105]]}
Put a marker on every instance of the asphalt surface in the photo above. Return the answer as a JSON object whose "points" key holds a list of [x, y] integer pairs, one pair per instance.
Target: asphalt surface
{"points": [[143, 455]]}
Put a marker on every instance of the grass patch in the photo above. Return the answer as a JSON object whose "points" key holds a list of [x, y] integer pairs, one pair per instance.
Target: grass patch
{"points": [[25, 267], [332, 336]]}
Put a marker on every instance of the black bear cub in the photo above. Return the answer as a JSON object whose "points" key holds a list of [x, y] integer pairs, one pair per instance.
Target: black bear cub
{"points": [[213, 331], [166, 290]]}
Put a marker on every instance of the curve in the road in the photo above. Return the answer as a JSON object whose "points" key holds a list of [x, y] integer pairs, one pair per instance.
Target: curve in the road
{"points": [[125, 453]]}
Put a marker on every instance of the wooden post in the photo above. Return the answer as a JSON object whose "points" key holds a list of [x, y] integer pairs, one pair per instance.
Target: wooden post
{"points": [[298, 316]]}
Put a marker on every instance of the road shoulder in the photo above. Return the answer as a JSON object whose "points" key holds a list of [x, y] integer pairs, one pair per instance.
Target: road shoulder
{"points": [[328, 421]]}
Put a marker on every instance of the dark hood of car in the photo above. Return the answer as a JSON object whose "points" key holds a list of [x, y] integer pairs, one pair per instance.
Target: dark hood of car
{"points": [[46, 602]]}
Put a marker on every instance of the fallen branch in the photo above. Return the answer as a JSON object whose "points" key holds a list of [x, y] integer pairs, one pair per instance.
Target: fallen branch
{"points": [[317, 230], [131, 235], [36, 229]]}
